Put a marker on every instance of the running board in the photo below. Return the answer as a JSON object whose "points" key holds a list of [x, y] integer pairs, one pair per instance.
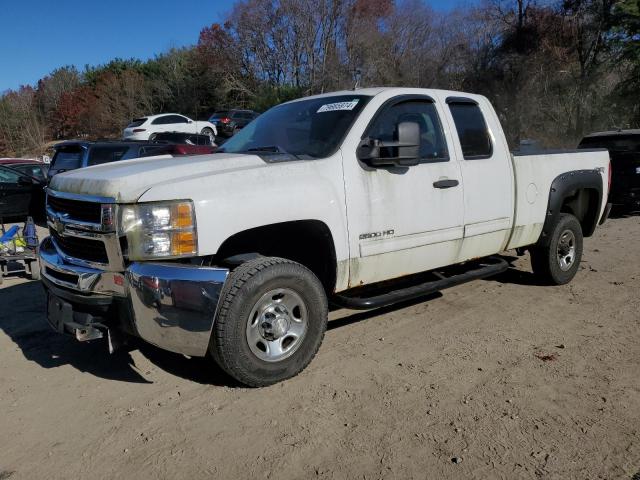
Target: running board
{"points": [[488, 267]]}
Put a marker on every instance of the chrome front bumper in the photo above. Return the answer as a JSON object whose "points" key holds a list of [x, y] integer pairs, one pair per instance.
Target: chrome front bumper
{"points": [[172, 305]]}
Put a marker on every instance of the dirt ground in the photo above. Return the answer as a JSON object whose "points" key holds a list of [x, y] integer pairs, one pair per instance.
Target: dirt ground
{"points": [[510, 379]]}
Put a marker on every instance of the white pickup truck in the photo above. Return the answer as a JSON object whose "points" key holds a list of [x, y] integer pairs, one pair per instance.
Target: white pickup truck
{"points": [[336, 199]]}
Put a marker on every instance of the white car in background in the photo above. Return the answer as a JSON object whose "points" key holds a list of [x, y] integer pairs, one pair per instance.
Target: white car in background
{"points": [[146, 128]]}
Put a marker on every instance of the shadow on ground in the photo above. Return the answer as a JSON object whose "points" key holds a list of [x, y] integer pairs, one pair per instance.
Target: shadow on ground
{"points": [[22, 318]]}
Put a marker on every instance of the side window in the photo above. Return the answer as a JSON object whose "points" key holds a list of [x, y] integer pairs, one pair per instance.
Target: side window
{"points": [[472, 130], [433, 146], [8, 176], [177, 119], [162, 120], [100, 155]]}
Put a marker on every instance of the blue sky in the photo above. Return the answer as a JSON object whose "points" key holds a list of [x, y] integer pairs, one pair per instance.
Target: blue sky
{"points": [[37, 36]]}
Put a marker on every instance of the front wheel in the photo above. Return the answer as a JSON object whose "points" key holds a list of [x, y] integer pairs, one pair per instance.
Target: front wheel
{"points": [[270, 323], [558, 262]]}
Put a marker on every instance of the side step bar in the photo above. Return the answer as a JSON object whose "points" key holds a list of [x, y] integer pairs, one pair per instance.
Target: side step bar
{"points": [[488, 267]]}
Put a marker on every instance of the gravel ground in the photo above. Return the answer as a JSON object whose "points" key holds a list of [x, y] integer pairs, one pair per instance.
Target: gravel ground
{"points": [[499, 378]]}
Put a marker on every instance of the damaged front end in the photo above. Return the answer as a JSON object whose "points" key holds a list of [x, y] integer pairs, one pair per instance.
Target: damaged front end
{"points": [[93, 292]]}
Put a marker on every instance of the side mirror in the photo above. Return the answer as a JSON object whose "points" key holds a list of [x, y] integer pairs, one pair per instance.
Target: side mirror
{"points": [[405, 152]]}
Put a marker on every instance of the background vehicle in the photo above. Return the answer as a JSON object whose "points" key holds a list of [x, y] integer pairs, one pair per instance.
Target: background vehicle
{"points": [[73, 154], [184, 138], [624, 150], [78, 154], [185, 143], [145, 128], [340, 198], [21, 195], [229, 122], [32, 168]]}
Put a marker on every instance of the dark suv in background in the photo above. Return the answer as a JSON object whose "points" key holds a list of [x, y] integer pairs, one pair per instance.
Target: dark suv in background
{"points": [[71, 155], [228, 122], [79, 154], [624, 151]]}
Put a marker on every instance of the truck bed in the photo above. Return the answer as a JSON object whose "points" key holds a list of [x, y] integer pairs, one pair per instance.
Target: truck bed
{"points": [[534, 173]]}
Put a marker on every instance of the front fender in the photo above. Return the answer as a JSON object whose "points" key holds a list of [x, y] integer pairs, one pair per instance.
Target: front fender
{"points": [[234, 201]]}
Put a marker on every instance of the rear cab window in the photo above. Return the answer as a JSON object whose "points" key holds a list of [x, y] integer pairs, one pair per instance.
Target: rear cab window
{"points": [[471, 128], [67, 158]]}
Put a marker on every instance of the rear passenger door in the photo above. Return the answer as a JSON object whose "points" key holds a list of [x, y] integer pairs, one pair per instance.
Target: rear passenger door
{"points": [[487, 175]]}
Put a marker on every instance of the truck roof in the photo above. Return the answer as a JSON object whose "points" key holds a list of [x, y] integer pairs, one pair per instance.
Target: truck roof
{"points": [[373, 91]]}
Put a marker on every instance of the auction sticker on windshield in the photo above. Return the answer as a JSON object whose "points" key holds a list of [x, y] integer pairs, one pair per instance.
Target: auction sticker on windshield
{"points": [[332, 107]]}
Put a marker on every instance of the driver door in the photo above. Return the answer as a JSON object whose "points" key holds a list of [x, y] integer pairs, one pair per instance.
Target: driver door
{"points": [[404, 220], [14, 196]]}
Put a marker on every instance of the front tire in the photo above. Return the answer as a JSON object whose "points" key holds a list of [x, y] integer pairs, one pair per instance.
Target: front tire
{"points": [[270, 323], [558, 262]]}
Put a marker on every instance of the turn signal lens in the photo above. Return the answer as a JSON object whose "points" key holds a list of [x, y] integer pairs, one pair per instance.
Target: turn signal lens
{"points": [[184, 243], [183, 216]]}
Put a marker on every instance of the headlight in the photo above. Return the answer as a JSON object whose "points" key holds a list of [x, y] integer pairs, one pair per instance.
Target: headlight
{"points": [[162, 229], [638, 170]]}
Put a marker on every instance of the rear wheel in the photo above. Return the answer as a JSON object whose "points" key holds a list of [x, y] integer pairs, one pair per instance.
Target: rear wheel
{"points": [[152, 137], [271, 321], [210, 134], [558, 262]]}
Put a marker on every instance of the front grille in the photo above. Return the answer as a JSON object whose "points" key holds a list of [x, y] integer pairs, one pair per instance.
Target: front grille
{"points": [[76, 209], [81, 248]]}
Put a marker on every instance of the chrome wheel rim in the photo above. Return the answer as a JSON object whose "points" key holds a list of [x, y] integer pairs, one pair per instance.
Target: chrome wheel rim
{"points": [[277, 325], [566, 250], [211, 136]]}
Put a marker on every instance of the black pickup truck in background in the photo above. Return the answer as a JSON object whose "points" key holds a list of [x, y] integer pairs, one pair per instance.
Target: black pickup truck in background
{"points": [[624, 151]]}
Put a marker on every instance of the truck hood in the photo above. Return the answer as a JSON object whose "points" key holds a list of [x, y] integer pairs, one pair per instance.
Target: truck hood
{"points": [[126, 181]]}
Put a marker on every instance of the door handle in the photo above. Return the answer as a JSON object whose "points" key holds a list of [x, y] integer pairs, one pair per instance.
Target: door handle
{"points": [[446, 183]]}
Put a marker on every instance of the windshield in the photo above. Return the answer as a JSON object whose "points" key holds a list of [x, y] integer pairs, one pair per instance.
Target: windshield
{"points": [[310, 128]]}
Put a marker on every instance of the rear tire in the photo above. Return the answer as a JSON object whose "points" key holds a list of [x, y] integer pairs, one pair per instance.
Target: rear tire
{"points": [[152, 137], [270, 323], [210, 134], [558, 262]]}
